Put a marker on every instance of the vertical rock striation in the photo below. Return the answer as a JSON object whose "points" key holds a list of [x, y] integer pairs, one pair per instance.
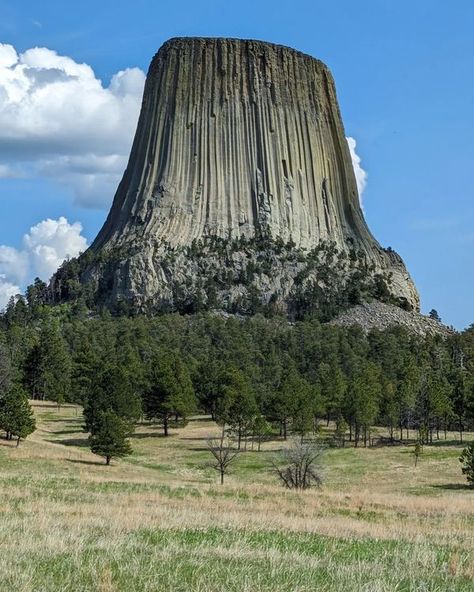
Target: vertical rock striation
{"points": [[235, 139]]}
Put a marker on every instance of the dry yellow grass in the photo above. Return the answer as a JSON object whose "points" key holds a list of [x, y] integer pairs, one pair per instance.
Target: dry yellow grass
{"points": [[58, 499]]}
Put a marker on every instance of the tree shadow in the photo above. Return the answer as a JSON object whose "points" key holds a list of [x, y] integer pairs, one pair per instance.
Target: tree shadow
{"points": [[86, 462], [68, 432], [454, 486], [457, 443], [142, 435], [79, 442], [199, 439], [65, 420]]}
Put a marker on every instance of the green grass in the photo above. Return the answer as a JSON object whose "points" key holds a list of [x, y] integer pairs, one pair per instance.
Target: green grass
{"points": [[216, 559], [159, 520]]}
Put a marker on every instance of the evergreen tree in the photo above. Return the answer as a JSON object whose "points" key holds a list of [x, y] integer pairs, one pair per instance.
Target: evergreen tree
{"points": [[84, 371], [406, 392], [363, 400], [291, 393], [261, 430], [332, 387], [113, 390], [110, 439], [170, 390], [210, 383], [467, 461], [5, 370], [238, 407], [54, 364], [433, 314], [16, 415]]}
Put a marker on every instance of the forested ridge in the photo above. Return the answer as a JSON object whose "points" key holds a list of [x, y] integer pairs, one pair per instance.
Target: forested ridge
{"points": [[257, 376]]}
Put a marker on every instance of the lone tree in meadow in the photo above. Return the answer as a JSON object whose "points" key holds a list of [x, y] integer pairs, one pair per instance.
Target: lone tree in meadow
{"points": [[16, 415], [467, 461], [224, 454], [110, 439], [299, 466]]}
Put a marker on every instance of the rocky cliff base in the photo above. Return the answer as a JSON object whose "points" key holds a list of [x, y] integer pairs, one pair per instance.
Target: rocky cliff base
{"points": [[381, 316], [240, 276]]}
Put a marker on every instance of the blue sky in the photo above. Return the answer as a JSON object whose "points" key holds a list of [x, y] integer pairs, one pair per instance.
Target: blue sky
{"points": [[404, 74]]}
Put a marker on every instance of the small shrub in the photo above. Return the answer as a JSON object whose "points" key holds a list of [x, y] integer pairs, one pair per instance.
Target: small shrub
{"points": [[299, 466]]}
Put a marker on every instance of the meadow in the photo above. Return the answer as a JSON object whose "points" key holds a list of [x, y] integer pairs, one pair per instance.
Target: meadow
{"points": [[160, 520]]}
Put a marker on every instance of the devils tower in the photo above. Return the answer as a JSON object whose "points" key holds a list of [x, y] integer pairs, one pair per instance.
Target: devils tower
{"points": [[239, 192]]}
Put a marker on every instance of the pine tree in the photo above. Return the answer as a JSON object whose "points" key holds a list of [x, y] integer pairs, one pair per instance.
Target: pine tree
{"points": [[261, 430], [285, 398], [210, 382], [170, 390], [333, 387], [238, 407], [467, 461], [16, 415], [113, 390], [363, 400], [5, 370], [110, 439], [84, 371], [54, 364], [433, 314]]}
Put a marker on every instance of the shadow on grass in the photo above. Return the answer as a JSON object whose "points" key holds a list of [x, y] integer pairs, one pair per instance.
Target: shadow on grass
{"points": [[80, 442], [86, 462], [9, 443], [143, 435], [199, 439], [448, 443], [454, 487], [68, 432], [65, 420]]}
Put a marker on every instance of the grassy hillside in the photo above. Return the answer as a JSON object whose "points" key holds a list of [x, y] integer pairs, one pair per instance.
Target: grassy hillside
{"points": [[159, 520]]}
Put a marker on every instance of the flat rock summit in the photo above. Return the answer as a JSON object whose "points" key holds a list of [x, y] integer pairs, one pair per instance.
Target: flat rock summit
{"points": [[239, 193]]}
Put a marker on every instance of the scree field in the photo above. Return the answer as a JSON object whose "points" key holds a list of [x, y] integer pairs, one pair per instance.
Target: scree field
{"points": [[159, 519]]}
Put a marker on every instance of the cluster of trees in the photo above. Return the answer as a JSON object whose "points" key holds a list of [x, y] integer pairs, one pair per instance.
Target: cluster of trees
{"points": [[256, 376], [16, 415]]}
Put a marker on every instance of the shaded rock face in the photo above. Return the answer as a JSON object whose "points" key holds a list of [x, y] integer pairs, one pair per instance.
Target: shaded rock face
{"points": [[236, 140]]}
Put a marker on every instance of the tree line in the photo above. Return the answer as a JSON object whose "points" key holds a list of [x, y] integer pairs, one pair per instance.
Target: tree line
{"points": [[255, 376]]}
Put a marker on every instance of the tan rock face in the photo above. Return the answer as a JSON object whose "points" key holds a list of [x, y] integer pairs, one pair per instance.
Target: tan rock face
{"points": [[238, 138]]}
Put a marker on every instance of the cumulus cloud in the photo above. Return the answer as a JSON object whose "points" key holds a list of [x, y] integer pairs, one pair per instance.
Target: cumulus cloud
{"points": [[44, 248], [360, 174], [7, 290], [57, 119]]}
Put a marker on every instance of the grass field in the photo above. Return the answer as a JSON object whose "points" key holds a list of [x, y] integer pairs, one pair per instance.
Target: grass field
{"points": [[159, 520]]}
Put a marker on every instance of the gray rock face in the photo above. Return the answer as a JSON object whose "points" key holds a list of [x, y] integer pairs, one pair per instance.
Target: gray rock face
{"points": [[236, 139], [377, 315]]}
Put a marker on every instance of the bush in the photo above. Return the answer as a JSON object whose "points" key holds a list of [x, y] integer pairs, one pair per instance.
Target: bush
{"points": [[301, 465]]}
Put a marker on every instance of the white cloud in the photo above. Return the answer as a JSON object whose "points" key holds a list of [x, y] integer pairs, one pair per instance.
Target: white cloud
{"points": [[14, 264], [360, 174], [58, 120], [9, 172], [7, 290], [44, 248]]}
